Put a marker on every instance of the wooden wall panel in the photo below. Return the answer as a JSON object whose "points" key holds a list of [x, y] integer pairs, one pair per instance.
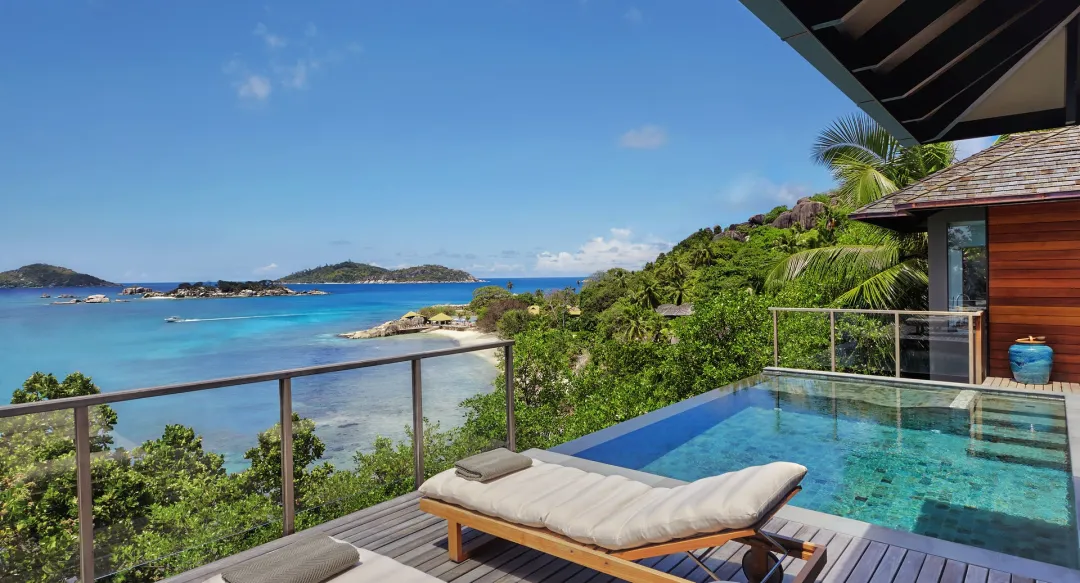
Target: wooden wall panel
{"points": [[1035, 282]]}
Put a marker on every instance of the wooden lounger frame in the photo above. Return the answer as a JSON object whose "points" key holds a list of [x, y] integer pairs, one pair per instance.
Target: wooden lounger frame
{"points": [[621, 563]]}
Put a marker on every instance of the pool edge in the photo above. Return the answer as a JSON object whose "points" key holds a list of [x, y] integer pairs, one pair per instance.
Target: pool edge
{"points": [[1072, 432]]}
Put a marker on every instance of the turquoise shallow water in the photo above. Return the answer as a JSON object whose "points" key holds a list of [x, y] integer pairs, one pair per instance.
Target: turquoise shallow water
{"points": [[129, 345], [996, 477]]}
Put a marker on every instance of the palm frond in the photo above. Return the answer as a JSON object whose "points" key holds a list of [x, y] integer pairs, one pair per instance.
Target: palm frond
{"points": [[861, 182], [855, 137], [901, 285], [840, 265]]}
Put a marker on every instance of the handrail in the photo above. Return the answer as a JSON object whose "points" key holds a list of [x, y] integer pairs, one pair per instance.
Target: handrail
{"points": [[160, 391], [974, 318], [963, 314], [80, 406]]}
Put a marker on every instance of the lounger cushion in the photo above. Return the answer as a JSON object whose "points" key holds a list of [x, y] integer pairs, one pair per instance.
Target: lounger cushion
{"points": [[618, 513], [372, 568]]}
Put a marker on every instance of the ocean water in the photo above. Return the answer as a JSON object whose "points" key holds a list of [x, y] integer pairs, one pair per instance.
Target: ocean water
{"points": [[129, 345]]}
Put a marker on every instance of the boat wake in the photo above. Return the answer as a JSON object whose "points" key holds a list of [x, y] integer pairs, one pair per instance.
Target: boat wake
{"points": [[186, 320]]}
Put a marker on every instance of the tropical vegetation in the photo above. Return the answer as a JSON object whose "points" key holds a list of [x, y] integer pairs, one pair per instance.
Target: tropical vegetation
{"points": [[43, 275], [352, 272]]}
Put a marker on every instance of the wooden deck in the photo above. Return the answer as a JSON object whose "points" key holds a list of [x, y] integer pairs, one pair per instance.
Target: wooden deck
{"points": [[398, 529], [1055, 387]]}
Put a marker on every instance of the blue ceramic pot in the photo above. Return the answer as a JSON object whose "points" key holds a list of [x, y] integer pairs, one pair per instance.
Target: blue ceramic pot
{"points": [[1031, 363]]}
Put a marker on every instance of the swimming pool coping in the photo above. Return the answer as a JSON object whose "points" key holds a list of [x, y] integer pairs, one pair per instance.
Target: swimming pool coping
{"points": [[1036, 570], [959, 551]]}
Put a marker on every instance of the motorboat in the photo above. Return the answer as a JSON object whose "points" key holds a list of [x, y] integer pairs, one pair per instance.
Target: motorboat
{"points": [[173, 319]]}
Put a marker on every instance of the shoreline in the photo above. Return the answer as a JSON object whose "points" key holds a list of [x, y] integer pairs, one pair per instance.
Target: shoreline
{"points": [[469, 338]]}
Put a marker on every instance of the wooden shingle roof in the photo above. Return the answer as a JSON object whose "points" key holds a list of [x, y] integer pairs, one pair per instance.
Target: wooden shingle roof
{"points": [[1024, 168], [671, 310]]}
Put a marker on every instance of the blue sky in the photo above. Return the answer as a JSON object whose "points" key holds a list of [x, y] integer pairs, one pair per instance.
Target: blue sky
{"points": [[167, 140]]}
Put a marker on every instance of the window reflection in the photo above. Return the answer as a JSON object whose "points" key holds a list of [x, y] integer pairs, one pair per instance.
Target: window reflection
{"points": [[969, 265]]}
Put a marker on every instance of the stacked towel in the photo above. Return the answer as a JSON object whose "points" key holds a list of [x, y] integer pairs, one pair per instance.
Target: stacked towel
{"points": [[490, 465], [311, 560]]}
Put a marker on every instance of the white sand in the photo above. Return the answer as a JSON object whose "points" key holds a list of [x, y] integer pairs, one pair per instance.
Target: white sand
{"points": [[469, 338]]}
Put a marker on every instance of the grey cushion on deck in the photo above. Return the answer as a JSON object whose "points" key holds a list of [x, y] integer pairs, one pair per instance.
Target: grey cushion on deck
{"points": [[490, 465], [616, 512], [369, 568], [311, 560]]}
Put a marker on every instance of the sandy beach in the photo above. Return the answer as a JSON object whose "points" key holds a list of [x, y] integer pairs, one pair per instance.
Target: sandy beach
{"points": [[470, 337]]}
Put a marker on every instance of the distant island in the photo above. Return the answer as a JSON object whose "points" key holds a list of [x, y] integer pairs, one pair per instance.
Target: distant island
{"points": [[351, 272], [42, 275], [229, 289]]}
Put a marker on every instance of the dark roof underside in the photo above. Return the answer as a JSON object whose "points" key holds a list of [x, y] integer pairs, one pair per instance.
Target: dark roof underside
{"points": [[1024, 168], [934, 70]]}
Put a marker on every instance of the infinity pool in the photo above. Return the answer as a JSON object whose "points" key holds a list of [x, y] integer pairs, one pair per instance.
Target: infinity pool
{"points": [[989, 470]]}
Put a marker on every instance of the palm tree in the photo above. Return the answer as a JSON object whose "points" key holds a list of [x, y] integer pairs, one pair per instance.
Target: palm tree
{"points": [[677, 291], [648, 295], [888, 270], [701, 254]]}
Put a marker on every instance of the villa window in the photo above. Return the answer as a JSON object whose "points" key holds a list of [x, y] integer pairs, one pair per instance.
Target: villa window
{"points": [[968, 265]]}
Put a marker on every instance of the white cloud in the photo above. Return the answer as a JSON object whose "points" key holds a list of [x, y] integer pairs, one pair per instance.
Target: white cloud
{"points": [[965, 148], [311, 30], [759, 193], [295, 76], [647, 137], [254, 87], [265, 269], [599, 253], [499, 268], [272, 40], [633, 15]]}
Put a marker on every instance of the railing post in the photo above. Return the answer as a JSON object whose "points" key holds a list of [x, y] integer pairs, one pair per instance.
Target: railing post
{"points": [[896, 327], [417, 424], [775, 341], [971, 350], [288, 493], [511, 424], [832, 339], [84, 492]]}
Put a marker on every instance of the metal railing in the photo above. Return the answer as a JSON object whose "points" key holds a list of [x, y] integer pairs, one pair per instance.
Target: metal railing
{"points": [[975, 327], [80, 406]]}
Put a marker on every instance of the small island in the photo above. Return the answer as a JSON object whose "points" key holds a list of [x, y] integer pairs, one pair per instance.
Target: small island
{"points": [[231, 289], [352, 272], [43, 275]]}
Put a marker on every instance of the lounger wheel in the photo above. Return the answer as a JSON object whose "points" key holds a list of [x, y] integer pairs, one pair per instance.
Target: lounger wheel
{"points": [[756, 563]]}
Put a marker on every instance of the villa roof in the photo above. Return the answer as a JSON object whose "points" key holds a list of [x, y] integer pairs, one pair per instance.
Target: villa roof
{"points": [[441, 317], [937, 70], [671, 310], [411, 315], [1029, 167]]}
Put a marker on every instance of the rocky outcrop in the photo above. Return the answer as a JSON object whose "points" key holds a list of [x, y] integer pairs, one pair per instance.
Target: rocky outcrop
{"points": [[807, 211], [756, 220], [382, 330], [97, 299], [734, 235], [136, 291], [784, 221], [204, 292]]}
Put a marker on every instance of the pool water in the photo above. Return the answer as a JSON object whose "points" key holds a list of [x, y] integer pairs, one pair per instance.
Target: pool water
{"points": [[989, 470]]}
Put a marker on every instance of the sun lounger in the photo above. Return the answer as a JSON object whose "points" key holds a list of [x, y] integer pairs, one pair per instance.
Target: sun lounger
{"points": [[369, 568], [608, 522]]}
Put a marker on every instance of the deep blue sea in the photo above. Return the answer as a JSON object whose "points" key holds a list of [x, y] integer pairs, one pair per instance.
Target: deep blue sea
{"points": [[129, 345]]}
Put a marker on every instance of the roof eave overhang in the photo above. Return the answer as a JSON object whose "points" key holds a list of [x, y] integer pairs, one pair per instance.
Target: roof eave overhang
{"points": [[779, 18]]}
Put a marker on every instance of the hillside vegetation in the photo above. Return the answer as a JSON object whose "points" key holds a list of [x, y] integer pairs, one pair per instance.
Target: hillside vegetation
{"points": [[43, 275], [351, 272]]}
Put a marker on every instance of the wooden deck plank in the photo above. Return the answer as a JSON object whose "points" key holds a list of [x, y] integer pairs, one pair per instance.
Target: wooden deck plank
{"points": [[953, 572], [909, 569], [889, 565], [931, 569], [868, 563], [976, 574], [397, 529]]}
